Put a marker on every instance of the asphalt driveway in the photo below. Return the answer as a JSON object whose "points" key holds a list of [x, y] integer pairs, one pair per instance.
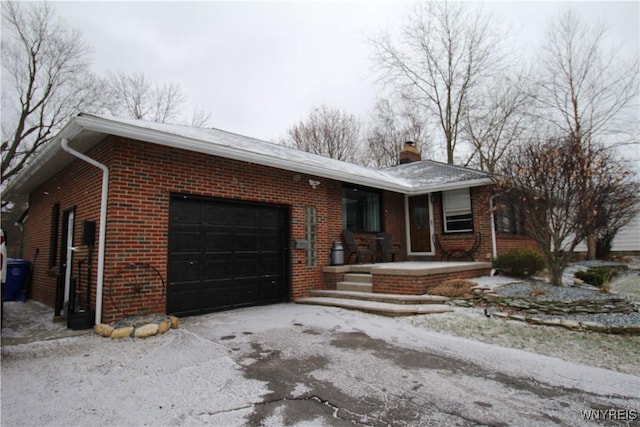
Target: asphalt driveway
{"points": [[301, 365]]}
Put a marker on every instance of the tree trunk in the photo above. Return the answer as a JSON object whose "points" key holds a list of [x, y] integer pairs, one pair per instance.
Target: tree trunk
{"points": [[555, 272], [591, 246]]}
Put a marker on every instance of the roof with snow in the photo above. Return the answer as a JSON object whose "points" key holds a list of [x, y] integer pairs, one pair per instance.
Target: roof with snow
{"points": [[86, 130], [432, 174]]}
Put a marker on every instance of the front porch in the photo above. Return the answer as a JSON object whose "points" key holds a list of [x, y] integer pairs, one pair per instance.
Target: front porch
{"points": [[404, 278], [391, 289]]}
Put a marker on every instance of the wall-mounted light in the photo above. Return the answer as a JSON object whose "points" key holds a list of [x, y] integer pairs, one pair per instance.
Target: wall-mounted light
{"points": [[314, 184]]}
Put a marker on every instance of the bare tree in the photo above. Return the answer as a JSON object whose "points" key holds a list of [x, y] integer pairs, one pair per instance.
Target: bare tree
{"points": [[444, 53], [498, 118], [537, 177], [133, 95], [45, 81], [200, 118], [584, 92], [546, 181], [391, 126], [328, 132]]}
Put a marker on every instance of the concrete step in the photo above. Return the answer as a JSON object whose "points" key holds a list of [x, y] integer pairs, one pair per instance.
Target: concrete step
{"points": [[358, 277], [388, 298], [375, 307], [361, 268], [354, 286]]}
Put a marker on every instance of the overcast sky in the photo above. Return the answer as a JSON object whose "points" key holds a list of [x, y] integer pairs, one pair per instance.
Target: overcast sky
{"points": [[259, 67]]}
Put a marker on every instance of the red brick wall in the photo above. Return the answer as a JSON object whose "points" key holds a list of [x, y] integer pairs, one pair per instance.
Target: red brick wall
{"points": [[142, 177], [394, 219], [78, 186], [417, 285], [507, 242], [481, 220]]}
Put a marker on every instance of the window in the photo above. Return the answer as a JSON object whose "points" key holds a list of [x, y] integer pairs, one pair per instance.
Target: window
{"points": [[508, 219], [456, 211], [311, 235], [360, 209], [53, 238]]}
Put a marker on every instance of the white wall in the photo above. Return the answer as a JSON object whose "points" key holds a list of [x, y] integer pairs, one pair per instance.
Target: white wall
{"points": [[627, 239]]}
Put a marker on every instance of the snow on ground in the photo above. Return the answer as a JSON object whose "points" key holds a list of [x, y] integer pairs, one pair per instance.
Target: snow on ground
{"points": [[197, 374], [614, 352]]}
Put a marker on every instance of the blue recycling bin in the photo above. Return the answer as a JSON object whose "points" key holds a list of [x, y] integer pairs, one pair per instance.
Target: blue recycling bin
{"points": [[17, 271]]}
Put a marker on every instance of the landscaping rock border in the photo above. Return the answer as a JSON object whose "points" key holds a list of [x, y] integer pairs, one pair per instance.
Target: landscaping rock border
{"points": [[138, 326], [525, 310], [573, 325]]}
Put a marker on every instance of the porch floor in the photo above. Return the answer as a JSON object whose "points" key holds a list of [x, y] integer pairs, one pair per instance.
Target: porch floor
{"points": [[409, 268]]}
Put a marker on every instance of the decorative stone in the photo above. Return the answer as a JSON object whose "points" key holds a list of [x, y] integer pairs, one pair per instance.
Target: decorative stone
{"points": [[595, 327], [615, 329], [553, 322], [122, 332], [164, 326], [147, 330], [632, 329], [570, 324], [103, 330], [175, 322], [578, 282]]}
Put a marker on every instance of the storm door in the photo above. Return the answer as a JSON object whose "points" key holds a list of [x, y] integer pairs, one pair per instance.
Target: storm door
{"points": [[66, 261]]}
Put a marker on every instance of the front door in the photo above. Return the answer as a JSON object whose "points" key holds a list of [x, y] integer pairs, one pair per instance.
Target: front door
{"points": [[66, 257], [419, 224]]}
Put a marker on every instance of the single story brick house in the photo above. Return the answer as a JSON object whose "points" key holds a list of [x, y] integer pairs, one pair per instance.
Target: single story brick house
{"points": [[133, 217]]}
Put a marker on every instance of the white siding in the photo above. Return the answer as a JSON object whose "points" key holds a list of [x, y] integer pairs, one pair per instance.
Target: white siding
{"points": [[627, 239]]}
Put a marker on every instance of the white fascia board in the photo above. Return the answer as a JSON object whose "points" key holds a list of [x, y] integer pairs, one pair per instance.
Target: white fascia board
{"points": [[190, 144], [450, 186]]}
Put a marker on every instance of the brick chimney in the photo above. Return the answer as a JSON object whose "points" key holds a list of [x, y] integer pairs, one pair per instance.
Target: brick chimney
{"points": [[409, 153]]}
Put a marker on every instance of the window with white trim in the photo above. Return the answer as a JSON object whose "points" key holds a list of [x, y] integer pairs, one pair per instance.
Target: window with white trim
{"points": [[456, 211]]}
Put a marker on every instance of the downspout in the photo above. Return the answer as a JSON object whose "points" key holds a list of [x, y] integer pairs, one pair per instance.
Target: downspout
{"points": [[494, 248], [103, 222]]}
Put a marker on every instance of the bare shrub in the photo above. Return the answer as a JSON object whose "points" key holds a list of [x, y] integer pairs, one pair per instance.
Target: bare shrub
{"points": [[453, 288]]}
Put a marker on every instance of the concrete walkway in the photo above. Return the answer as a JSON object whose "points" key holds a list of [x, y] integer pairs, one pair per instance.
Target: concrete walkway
{"points": [[299, 365], [30, 321]]}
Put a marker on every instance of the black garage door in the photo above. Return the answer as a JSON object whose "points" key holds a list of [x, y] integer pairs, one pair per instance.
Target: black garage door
{"points": [[225, 254]]}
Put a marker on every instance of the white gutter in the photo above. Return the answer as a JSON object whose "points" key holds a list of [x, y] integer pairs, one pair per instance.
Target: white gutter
{"points": [[103, 222], [494, 249]]}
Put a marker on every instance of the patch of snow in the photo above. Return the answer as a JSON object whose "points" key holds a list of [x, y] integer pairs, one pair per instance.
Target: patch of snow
{"points": [[495, 281]]}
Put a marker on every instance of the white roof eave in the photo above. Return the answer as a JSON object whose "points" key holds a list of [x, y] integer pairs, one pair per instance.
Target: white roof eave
{"points": [[381, 181], [417, 190], [327, 168], [40, 160]]}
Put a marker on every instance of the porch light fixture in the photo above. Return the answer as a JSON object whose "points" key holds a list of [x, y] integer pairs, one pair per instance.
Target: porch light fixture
{"points": [[314, 184]]}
